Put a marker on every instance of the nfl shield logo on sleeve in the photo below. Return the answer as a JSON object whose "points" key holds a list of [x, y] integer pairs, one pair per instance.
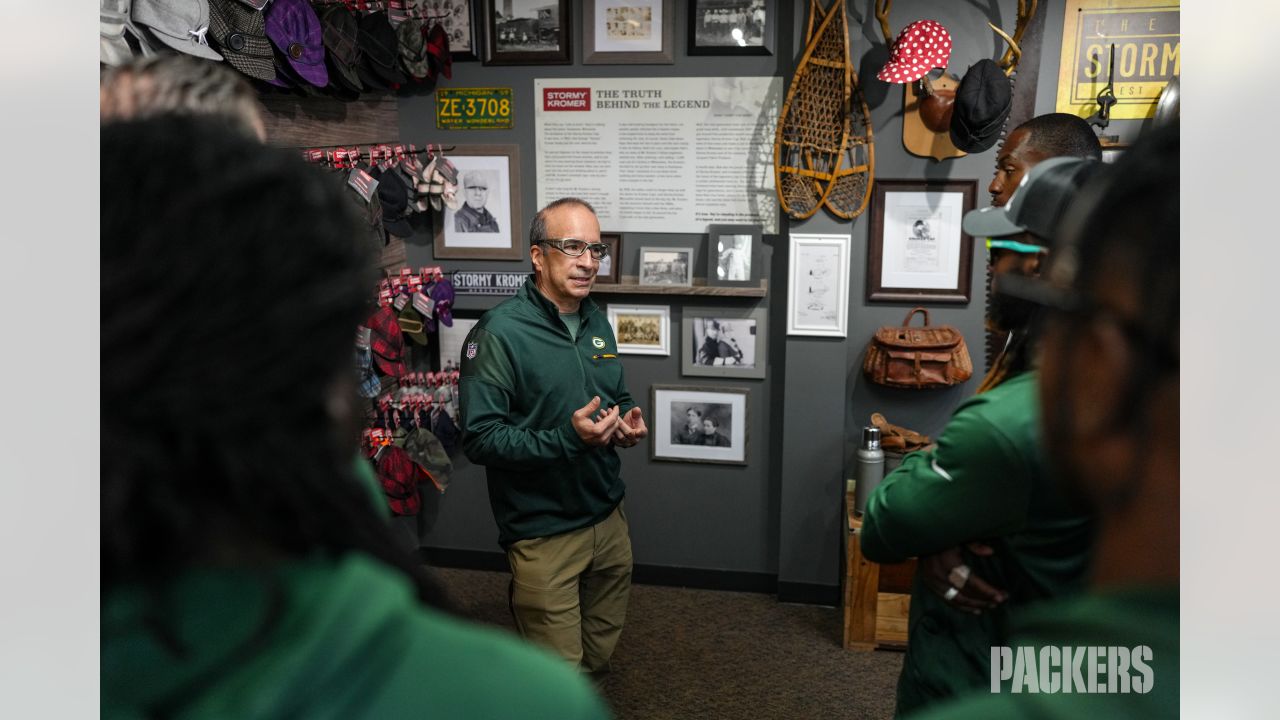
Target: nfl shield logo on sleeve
{"points": [[471, 351]]}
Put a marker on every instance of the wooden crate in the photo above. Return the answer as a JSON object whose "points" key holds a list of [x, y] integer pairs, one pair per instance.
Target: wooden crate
{"points": [[877, 598]]}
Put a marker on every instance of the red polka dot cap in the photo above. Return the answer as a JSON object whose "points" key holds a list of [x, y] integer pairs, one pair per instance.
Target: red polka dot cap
{"points": [[921, 46]]}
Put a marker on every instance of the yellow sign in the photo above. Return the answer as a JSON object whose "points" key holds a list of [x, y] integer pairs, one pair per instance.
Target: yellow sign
{"points": [[1147, 39], [474, 109]]}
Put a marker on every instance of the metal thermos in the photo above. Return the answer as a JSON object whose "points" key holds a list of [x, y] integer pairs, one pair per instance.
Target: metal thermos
{"points": [[870, 467]]}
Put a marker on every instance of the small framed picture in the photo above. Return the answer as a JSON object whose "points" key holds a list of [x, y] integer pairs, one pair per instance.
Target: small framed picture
{"points": [[610, 268], [818, 294], [917, 251], [666, 266], [485, 226], [732, 251], [527, 32], [641, 329], [724, 342], [699, 424], [732, 27], [458, 21], [627, 32]]}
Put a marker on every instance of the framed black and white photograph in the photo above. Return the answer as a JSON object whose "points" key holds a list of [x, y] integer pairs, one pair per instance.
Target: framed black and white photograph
{"points": [[724, 342], [666, 266], [732, 255], [818, 294], [486, 224], [916, 249], [732, 27], [627, 32], [641, 329], [457, 17], [610, 268], [699, 424], [527, 32]]}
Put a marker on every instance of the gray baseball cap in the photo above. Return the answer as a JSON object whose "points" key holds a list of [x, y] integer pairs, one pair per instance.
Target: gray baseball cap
{"points": [[1039, 203], [180, 24]]}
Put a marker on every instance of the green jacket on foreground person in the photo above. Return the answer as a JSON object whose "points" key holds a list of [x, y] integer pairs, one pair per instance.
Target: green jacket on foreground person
{"points": [[983, 482], [516, 417], [1129, 618], [315, 639]]}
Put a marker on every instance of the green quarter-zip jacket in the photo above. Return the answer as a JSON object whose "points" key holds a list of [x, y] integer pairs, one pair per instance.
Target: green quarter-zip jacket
{"points": [[984, 481], [523, 376]]}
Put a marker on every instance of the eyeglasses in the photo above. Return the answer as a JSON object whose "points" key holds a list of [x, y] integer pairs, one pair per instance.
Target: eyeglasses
{"points": [[574, 247]]}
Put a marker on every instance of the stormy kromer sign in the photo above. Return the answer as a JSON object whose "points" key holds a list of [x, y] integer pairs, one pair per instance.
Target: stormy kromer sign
{"points": [[470, 282]]}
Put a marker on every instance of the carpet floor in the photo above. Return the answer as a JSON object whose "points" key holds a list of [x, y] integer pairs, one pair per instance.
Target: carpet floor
{"points": [[706, 654]]}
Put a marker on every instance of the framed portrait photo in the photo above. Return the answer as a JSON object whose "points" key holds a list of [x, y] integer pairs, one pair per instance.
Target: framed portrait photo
{"points": [[641, 329], [699, 424], [666, 266], [732, 27], [627, 32], [527, 32], [733, 253], [610, 270], [457, 18], [916, 250], [724, 342], [486, 225], [818, 294]]}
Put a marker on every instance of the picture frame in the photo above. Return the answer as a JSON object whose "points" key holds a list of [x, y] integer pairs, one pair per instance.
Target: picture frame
{"points": [[536, 34], [641, 329], [459, 19], [712, 26], [628, 32], [916, 248], [492, 232], [733, 255], [735, 346], [666, 266], [677, 408], [818, 293], [610, 270]]}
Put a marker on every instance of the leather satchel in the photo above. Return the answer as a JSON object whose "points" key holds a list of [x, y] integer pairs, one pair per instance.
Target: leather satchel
{"points": [[930, 356]]}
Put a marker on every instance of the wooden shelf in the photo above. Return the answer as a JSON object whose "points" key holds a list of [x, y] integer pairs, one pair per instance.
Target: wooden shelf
{"points": [[629, 286]]}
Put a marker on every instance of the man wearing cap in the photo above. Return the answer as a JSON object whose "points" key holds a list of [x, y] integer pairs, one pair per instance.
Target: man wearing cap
{"points": [[544, 407], [473, 216], [982, 482], [1109, 384]]}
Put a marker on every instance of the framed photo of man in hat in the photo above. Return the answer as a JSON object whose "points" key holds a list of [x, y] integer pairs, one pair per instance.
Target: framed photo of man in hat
{"points": [[916, 250], [482, 223]]}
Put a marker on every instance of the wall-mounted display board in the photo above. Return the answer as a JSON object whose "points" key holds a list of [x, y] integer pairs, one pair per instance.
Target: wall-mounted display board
{"points": [[1147, 37], [666, 155]]}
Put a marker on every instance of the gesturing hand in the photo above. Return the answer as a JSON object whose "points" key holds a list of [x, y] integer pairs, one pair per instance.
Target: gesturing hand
{"points": [[631, 429], [595, 428], [941, 573]]}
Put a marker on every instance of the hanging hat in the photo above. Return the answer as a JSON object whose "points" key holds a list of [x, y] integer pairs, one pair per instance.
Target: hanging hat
{"points": [[425, 449], [438, 54], [411, 324], [983, 102], [412, 47], [294, 28], [379, 67], [180, 24], [240, 32], [394, 197], [399, 476], [114, 25], [921, 46], [340, 33], [387, 342]]}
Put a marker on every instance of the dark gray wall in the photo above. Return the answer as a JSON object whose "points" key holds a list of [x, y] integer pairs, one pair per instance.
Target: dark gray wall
{"points": [[781, 513]]}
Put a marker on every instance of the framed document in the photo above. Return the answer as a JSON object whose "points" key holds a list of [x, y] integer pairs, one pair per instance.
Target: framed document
{"points": [[818, 294], [916, 250]]}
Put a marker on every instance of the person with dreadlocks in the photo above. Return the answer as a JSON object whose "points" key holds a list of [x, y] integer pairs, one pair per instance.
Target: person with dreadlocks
{"points": [[983, 482], [245, 572], [1109, 388]]}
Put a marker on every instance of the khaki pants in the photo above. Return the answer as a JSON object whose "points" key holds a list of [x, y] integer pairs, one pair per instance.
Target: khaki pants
{"points": [[569, 592]]}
